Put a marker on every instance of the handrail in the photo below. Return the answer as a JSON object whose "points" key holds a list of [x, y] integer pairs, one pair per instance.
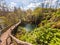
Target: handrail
{"points": [[19, 42], [6, 41], [5, 29]]}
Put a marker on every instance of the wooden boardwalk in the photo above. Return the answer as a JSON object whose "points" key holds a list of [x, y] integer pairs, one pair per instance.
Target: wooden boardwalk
{"points": [[6, 37]]}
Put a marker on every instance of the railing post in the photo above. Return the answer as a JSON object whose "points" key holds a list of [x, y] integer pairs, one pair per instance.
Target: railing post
{"points": [[7, 41]]}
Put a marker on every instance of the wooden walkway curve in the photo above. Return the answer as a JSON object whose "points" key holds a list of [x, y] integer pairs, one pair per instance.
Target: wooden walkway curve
{"points": [[6, 37]]}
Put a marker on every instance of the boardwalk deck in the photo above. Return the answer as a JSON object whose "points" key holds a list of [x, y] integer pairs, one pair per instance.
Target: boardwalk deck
{"points": [[6, 37]]}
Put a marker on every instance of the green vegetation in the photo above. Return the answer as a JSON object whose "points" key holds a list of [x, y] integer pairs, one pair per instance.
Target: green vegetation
{"points": [[42, 35], [47, 31], [47, 21]]}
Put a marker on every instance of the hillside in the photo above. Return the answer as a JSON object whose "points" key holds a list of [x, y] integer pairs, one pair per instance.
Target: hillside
{"points": [[46, 30]]}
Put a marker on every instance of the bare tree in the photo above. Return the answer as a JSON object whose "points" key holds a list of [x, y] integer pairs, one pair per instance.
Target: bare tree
{"points": [[3, 7]]}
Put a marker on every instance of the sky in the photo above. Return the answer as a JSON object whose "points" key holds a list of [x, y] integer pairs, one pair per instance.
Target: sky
{"points": [[26, 4]]}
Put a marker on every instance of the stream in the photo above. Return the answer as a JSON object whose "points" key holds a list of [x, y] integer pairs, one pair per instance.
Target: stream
{"points": [[29, 27]]}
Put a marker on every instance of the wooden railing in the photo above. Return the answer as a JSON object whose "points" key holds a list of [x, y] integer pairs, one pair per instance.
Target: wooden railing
{"points": [[5, 36], [19, 42], [11, 38]]}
